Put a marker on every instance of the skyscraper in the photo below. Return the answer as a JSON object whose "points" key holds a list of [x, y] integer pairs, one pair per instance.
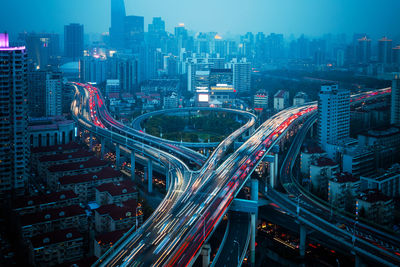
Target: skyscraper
{"points": [[333, 115], [53, 94], [363, 51], [133, 32], [385, 50], [37, 93], [395, 110], [14, 147], [73, 41], [241, 75], [158, 26], [117, 31]]}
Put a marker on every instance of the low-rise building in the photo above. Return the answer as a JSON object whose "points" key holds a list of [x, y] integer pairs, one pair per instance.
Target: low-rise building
{"points": [[37, 152], [342, 190], [321, 171], [116, 193], [53, 219], [50, 131], [113, 217], [388, 182], [84, 185], [57, 247], [105, 241], [307, 156], [46, 161], [33, 204], [281, 100], [358, 161], [54, 172], [375, 207], [300, 98]]}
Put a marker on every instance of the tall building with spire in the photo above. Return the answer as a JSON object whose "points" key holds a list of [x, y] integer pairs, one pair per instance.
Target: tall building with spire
{"points": [[14, 147], [117, 29]]}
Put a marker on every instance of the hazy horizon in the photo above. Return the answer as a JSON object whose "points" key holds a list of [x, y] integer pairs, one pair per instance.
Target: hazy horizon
{"points": [[309, 17]]}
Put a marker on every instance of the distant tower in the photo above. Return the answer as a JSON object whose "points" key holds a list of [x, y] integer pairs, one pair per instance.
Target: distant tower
{"points": [[117, 29], [333, 115], [395, 110], [14, 147], [363, 50], [73, 41], [385, 50]]}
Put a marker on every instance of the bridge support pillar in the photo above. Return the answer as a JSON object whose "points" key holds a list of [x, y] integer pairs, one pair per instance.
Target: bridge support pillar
{"points": [[91, 141], [103, 147], [132, 165], [168, 177], [117, 156], [205, 253], [303, 237], [272, 178], [359, 261], [275, 150], [253, 218], [149, 176]]}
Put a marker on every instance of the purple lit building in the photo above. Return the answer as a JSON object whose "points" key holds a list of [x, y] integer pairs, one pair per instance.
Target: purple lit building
{"points": [[14, 147]]}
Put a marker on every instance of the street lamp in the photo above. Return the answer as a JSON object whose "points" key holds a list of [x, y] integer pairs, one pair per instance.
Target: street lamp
{"points": [[238, 254]]}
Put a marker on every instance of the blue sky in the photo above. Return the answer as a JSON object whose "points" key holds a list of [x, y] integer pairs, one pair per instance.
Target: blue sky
{"points": [[311, 17]]}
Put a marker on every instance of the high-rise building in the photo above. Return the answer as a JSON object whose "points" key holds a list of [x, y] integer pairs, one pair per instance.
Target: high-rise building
{"points": [[396, 55], [363, 51], [54, 88], [395, 109], [281, 100], [333, 115], [261, 100], [117, 29], [385, 50], [133, 32], [14, 146], [93, 69], [42, 48], [300, 98], [221, 76], [158, 26], [241, 75], [73, 41], [37, 93]]}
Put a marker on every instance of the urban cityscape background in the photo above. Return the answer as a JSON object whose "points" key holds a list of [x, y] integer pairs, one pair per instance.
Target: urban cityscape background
{"points": [[138, 133]]}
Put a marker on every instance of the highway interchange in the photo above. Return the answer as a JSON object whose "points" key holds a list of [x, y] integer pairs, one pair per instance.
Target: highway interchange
{"points": [[196, 201]]}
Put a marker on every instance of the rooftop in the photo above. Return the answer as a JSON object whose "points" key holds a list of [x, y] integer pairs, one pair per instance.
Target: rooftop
{"points": [[74, 155], [90, 163], [345, 177], [116, 212], [110, 237], [313, 150], [43, 199], [55, 237], [56, 148], [382, 132], [117, 189], [324, 162], [51, 215], [372, 196], [105, 173], [280, 94]]}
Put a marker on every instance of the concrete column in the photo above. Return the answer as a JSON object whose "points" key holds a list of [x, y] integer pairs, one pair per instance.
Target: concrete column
{"points": [[254, 197], [271, 160], [276, 166], [117, 156], [303, 237], [205, 253], [103, 147], [132, 165], [358, 261], [149, 176], [253, 239], [90, 141], [167, 174]]}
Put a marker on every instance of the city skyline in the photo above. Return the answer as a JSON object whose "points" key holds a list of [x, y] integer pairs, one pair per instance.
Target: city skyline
{"points": [[222, 17]]}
